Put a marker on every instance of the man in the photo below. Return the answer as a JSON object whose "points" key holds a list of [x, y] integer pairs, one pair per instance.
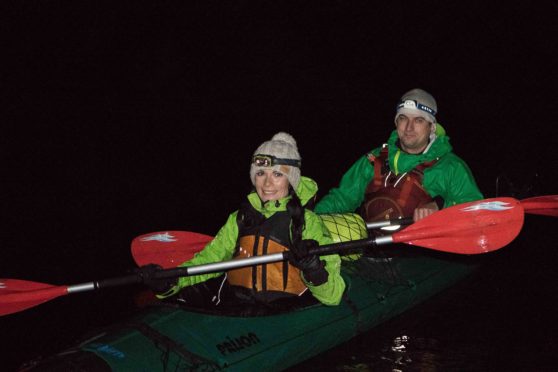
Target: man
{"points": [[414, 174]]}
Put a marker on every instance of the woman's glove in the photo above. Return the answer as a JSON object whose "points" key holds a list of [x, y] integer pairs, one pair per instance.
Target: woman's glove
{"points": [[311, 266], [157, 285]]}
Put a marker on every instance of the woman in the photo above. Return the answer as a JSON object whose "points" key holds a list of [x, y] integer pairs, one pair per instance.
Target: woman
{"points": [[272, 219]]}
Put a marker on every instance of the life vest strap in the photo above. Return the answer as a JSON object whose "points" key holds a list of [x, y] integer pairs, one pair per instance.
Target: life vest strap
{"points": [[388, 196]]}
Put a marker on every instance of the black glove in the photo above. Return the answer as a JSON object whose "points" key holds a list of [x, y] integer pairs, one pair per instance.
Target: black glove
{"points": [[311, 266], [157, 285]]}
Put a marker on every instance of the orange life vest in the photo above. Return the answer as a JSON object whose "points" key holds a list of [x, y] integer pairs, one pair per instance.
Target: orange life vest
{"points": [[389, 196], [267, 237]]}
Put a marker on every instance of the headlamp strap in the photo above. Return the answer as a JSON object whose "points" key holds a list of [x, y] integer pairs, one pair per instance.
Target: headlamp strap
{"points": [[262, 160], [413, 104]]}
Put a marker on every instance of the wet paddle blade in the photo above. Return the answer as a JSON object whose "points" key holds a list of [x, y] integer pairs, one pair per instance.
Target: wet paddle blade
{"points": [[167, 248], [546, 205], [17, 295], [470, 228]]}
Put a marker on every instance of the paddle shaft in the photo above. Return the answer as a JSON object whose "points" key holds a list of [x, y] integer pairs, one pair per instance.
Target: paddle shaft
{"points": [[105, 283], [270, 258], [394, 222], [227, 265]]}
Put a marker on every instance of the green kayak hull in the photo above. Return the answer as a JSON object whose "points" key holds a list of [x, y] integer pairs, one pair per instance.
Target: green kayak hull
{"points": [[165, 338]]}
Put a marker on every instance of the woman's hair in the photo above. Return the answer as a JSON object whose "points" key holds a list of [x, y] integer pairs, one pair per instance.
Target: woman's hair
{"points": [[247, 216], [296, 211]]}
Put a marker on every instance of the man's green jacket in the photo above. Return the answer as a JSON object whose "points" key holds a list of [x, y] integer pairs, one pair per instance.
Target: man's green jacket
{"points": [[449, 178]]}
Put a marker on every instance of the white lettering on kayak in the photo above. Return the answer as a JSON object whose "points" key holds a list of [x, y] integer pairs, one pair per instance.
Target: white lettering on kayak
{"points": [[489, 206], [165, 238], [2, 285]]}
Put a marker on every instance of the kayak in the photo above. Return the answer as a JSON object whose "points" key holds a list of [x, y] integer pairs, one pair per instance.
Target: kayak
{"points": [[166, 336]]}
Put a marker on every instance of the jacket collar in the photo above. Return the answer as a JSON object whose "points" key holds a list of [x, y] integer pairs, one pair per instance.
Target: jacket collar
{"points": [[400, 161]]}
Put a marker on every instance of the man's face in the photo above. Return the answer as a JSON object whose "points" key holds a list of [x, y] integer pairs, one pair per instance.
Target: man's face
{"points": [[413, 131]]}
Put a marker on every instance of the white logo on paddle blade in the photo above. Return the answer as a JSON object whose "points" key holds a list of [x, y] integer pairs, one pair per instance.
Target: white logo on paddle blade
{"points": [[165, 238], [489, 206]]}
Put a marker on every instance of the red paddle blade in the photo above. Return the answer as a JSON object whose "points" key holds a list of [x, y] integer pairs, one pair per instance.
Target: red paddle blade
{"points": [[546, 205], [17, 295], [469, 228], [167, 248]]}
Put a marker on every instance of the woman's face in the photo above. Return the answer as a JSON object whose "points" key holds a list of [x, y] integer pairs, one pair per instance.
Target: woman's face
{"points": [[271, 185]]}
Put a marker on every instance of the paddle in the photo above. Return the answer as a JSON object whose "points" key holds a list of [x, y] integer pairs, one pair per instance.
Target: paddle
{"points": [[546, 205], [470, 228], [167, 248], [153, 247]]}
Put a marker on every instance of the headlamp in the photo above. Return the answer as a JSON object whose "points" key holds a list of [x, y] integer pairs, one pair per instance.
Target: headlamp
{"points": [[413, 104], [269, 161]]}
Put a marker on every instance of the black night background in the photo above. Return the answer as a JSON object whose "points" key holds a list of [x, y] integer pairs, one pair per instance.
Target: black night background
{"points": [[125, 117]]}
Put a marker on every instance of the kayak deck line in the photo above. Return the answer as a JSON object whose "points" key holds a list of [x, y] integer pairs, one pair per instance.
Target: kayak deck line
{"points": [[159, 338]]}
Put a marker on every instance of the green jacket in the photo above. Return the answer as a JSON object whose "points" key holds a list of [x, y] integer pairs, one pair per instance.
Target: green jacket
{"points": [[223, 246], [449, 178]]}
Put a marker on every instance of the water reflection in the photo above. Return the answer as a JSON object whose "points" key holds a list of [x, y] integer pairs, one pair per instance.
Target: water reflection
{"points": [[404, 353], [404, 350]]}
